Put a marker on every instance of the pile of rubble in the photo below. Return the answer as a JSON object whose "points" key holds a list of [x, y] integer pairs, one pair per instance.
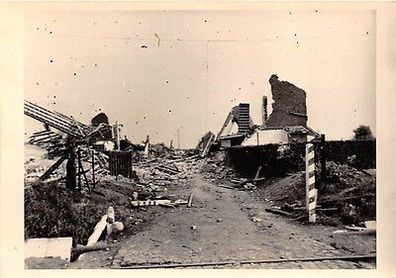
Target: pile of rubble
{"points": [[154, 175], [215, 170], [49, 140], [53, 211], [346, 197]]}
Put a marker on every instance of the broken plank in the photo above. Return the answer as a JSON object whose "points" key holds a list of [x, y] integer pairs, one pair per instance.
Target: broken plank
{"points": [[190, 199], [278, 211], [180, 202], [208, 145], [46, 139], [43, 132], [98, 230], [364, 231], [52, 168], [226, 186], [167, 205], [167, 170], [150, 203], [79, 249], [258, 172]]}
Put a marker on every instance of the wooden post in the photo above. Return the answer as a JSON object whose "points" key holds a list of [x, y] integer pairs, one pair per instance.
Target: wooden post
{"points": [[311, 191], [258, 172], [71, 169], [178, 139], [131, 165], [323, 155], [190, 200], [100, 226], [118, 136], [93, 169], [79, 168], [147, 145], [258, 139], [116, 167]]}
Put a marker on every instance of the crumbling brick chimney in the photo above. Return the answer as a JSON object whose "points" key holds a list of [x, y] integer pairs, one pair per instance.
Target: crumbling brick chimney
{"points": [[289, 107], [265, 111], [244, 118]]}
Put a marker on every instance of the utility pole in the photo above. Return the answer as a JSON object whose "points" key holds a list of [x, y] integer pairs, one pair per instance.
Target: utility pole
{"points": [[323, 154], [178, 139], [118, 136]]}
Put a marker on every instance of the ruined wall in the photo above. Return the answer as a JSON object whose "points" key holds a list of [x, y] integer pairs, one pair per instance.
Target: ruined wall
{"points": [[273, 136], [278, 160], [275, 159], [264, 110], [289, 107]]}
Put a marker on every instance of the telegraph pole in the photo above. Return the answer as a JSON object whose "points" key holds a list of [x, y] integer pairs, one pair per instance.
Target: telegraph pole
{"points": [[118, 136], [178, 139]]}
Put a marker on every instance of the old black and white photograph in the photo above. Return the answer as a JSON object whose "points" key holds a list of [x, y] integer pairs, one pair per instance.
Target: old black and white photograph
{"points": [[169, 138]]}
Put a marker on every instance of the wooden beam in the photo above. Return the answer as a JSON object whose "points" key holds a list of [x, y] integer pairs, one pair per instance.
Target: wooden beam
{"points": [[52, 168], [190, 199], [258, 173], [150, 203], [278, 211], [79, 249], [93, 169], [100, 226]]}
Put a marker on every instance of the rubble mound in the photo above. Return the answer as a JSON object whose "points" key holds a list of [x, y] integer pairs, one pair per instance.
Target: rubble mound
{"points": [[347, 196]]}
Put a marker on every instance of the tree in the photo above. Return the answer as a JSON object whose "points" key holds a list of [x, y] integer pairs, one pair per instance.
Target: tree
{"points": [[363, 132]]}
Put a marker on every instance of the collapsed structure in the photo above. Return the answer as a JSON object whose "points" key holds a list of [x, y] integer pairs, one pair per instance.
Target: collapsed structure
{"points": [[268, 158], [288, 121], [93, 143], [286, 124]]}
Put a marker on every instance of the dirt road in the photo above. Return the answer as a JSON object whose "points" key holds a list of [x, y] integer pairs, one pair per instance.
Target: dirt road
{"points": [[230, 225]]}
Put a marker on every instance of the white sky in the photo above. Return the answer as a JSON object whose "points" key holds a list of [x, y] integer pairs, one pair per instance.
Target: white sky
{"points": [[206, 63]]}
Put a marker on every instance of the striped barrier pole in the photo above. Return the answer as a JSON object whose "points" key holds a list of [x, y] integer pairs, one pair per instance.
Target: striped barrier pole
{"points": [[311, 191]]}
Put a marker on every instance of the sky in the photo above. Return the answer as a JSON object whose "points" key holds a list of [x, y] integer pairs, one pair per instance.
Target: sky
{"points": [[157, 72]]}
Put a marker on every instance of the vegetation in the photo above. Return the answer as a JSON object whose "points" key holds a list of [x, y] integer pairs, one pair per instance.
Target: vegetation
{"points": [[363, 132]]}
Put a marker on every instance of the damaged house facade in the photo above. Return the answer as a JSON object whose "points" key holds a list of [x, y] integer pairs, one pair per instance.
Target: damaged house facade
{"points": [[286, 124]]}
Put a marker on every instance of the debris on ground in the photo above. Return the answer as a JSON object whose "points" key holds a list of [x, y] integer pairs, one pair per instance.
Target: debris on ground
{"points": [[90, 189]]}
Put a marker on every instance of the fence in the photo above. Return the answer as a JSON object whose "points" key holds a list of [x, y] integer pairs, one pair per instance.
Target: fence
{"points": [[120, 163]]}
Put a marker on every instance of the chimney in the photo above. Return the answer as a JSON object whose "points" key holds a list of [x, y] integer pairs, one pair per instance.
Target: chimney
{"points": [[265, 112], [243, 118]]}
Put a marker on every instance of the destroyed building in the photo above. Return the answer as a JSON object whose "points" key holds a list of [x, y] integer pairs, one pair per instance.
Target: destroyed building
{"points": [[236, 127], [288, 121], [129, 180], [289, 107], [286, 124]]}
